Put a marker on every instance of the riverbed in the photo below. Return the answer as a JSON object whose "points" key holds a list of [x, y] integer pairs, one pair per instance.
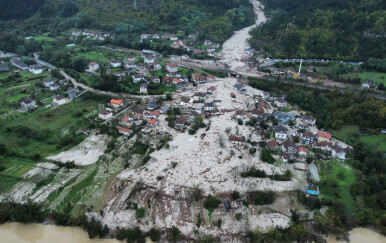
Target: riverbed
{"points": [[361, 235]]}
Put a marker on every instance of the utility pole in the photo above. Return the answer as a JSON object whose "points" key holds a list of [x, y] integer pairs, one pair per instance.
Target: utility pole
{"points": [[300, 67]]}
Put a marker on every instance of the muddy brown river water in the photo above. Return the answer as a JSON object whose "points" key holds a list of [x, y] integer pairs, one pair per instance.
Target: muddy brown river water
{"points": [[39, 233]]}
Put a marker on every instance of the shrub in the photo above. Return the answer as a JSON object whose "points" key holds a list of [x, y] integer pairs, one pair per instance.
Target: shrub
{"points": [[239, 216], [266, 156], [211, 203], [140, 213], [195, 193], [154, 235], [235, 195], [261, 197]]}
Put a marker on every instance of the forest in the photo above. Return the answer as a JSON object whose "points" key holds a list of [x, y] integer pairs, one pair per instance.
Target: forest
{"points": [[215, 19], [330, 29]]}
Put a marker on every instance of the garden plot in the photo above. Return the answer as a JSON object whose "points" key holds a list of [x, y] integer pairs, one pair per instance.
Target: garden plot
{"points": [[86, 153]]}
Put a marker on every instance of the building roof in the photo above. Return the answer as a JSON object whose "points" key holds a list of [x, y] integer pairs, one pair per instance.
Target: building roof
{"points": [[180, 120], [105, 112], [237, 139], [302, 149], [137, 110], [199, 94], [257, 112], [123, 129], [116, 102], [28, 101], [280, 129], [125, 119], [152, 121], [324, 135], [212, 88], [272, 144], [154, 113], [59, 97], [171, 65], [288, 144]]}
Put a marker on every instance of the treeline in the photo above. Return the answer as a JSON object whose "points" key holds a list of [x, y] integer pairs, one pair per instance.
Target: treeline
{"points": [[332, 109], [342, 30]]}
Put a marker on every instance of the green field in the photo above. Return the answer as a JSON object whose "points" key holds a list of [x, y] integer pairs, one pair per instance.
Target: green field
{"points": [[100, 55], [44, 38], [350, 134], [342, 174], [374, 76]]}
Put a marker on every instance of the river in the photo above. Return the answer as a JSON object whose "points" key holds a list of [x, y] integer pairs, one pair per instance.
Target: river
{"points": [[39, 233]]}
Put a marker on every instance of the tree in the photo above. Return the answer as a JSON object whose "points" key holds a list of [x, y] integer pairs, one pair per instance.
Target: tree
{"points": [[175, 234], [168, 96], [211, 203], [195, 193], [140, 213], [69, 9], [79, 64], [154, 235], [266, 156]]}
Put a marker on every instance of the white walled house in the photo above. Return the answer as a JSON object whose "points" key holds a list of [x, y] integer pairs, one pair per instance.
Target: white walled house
{"points": [[59, 100], [105, 115], [35, 69], [93, 66]]}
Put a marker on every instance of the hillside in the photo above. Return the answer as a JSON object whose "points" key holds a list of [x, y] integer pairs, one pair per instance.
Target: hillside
{"points": [[216, 19], [345, 29]]}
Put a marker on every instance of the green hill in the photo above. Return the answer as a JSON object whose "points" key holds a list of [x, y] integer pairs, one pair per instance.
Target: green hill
{"points": [[329, 29], [216, 19]]}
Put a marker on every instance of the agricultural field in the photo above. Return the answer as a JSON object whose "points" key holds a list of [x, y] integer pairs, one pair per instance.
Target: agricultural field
{"points": [[100, 55], [351, 135], [374, 76], [337, 178]]}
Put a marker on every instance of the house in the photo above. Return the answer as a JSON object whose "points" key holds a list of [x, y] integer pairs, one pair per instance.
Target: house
{"points": [[239, 115], [310, 69], [366, 85], [157, 66], [173, 75], [152, 123], [280, 133], [208, 42], [211, 90], [175, 58], [182, 85], [54, 87], [125, 121], [146, 53], [93, 66], [153, 114], [210, 78], [284, 117], [72, 93], [257, 114], [265, 95], [281, 103], [48, 82], [285, 157], [138, 78], [309, 120], [131, 59], [144, 36], [200, 96], [272, 145], [325, 146], [156, 36], [217, 103], [165, 36], [307, 138], [167, 81], [248, 51], [338, 152], [174, 38], [124, 131], [197, 51], [180, 121], [59, 100], [116, 103], [35, 69], [4, 67], [137, 112], [289, 147], [323, 136], [239, 87], [36, 55], [186, 101], [131, 65], [302, 151], [19, 64], [198, 108], [175, 81], [199, 78], [143, 89], [164, 109], [115, 63], [264, 106], [105, 115], [236, 140], [209, 107], [155, 79], [227, 205], [171, 67], [193, 116], [28, 104], [149, 60]]}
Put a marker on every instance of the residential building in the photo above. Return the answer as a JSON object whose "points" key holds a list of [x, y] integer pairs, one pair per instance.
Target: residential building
{"points": [[124, 131], [59, 100], [265, 95], [28, 104], [149, 60], [138, 78], [284, 117], [48, 82], [143, 89], [272, 145], [236, 140], [338, 152], [325, 146], [200, 96], [199, 78], [209, 107], [307, 138], [289, 147], [167, 81], [180, 122], [116, 104], [257, 114], [152, 123], [281, 103], [217, 103], [310, 69], [323, 136], [280, 133], [302, 151], [72, 93], [309, 120], [35, 69], [115, 63], [19, 64], [366, 85], [155, 79], [105, 115], [137, 112], [210, 78], [211, 90], [4, 67], [54, 87], [93, 66], [171, 67]]}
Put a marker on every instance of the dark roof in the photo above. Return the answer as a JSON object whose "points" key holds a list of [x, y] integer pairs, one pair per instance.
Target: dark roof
{"points": [[180, 120], [199, 94], [272, 144], [60, 97], [238, 139], [137, 110], [4, 67], [28, 101], [288, 144], [105, 112], [227, 204], [258, 112], [280, 129], [209, 104]]}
